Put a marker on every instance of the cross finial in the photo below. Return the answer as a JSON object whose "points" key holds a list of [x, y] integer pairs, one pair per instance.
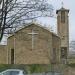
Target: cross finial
{"points": [[34, 20], [62, 4]]}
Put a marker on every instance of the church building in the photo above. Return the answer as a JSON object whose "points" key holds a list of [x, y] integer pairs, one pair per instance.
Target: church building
{"points": [[35, 44]]}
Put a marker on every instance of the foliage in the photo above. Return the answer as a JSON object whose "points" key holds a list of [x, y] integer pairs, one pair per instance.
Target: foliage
{"points": [[34, 68], [38, 68], [10, 66], [27, 68], [71, 65]]}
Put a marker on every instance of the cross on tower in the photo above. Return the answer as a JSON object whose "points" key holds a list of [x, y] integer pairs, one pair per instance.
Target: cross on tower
{"points": [[33, 36], [62, 4]]}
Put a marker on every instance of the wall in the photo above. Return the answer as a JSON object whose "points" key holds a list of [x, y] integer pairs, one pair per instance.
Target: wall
{"points": [[24, 54], [3, 54]]}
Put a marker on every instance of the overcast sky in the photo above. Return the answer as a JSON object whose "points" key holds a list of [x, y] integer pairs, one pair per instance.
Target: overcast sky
{"points": [[68, 4]]}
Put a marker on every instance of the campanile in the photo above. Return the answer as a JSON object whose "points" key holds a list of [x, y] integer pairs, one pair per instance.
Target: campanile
{"points": [[63, 31]]}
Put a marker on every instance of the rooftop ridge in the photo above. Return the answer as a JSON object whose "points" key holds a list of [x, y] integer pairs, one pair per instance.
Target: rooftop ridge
{"points": [[42, 26]]}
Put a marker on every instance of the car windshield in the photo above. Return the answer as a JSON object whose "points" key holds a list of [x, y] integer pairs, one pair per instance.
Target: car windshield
{"points": [[12, 73]]}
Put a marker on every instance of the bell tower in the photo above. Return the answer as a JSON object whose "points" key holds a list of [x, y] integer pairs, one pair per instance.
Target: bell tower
{"points": [[63, 32]]}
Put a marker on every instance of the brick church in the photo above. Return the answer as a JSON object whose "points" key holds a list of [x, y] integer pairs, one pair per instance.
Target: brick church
{"points": [[35, 44]]}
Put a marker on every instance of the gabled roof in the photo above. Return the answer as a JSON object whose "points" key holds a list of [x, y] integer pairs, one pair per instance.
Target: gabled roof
{"points": [[29, 24]]}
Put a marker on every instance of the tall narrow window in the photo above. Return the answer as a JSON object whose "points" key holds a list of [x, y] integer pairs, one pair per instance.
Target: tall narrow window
{"points": [[54, 56], [62, 16], [12, 56], [64, 52]]}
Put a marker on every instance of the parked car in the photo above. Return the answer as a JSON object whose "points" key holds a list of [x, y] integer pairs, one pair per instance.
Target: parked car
{"points": [[13, 72]]}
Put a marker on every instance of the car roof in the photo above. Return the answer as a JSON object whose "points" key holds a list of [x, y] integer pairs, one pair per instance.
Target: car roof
{"points": [[11, 70], [14, 70]]}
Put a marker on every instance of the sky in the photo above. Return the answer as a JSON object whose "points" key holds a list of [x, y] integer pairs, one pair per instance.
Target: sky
{"points": [[52, 23], [57, 4]]}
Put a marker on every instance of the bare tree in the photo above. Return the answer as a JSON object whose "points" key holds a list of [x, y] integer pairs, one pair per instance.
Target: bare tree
{"points": [[72, 44], [14, 13]]}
